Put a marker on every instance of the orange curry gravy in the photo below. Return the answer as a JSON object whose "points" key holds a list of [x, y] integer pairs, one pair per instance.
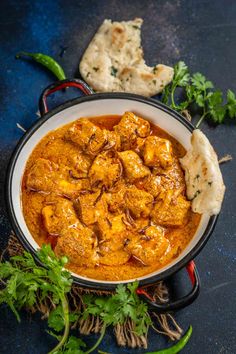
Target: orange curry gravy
{"points": [[109, 193]]}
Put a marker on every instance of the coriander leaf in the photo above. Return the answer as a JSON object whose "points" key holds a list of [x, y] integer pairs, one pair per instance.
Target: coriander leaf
{"points": [[74, 345], [122, 293], [199, 99], [73, 317], [12, 285], [198, 92], [56, 272], [166, 94], [216, 109], [189, 92], [181, 74], [56, 319], [231, 103], [180, 79], [218, 115], [26, 284], [6, 269], [215, 99], [199, 82], [19, 287], [25, 261], [132, 288], [183, 105], [113, 71], [115, 309]]}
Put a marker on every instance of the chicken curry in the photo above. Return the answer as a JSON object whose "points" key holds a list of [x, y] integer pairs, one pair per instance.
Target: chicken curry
{"points": [[109, 193]]}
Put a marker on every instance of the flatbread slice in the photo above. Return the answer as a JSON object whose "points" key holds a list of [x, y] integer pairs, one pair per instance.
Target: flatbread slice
{"points": [[114, 61], [205, 186]]}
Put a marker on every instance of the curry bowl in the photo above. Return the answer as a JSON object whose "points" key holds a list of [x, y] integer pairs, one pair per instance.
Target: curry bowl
{"points": [[99, 105]]}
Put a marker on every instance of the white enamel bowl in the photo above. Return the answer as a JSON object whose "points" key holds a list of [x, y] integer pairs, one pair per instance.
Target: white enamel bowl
{"points": [[88, 106]]}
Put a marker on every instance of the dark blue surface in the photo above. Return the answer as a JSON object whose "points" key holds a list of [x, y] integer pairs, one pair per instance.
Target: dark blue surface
{"points": [[203, 34]]}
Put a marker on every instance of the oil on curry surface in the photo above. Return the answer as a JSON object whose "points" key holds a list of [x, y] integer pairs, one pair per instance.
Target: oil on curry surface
{"points": [[109, 193]]}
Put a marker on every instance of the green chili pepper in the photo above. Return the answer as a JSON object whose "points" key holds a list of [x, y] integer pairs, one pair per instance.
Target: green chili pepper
{"points": [[172, 350], [178, 346], [46, 61]]}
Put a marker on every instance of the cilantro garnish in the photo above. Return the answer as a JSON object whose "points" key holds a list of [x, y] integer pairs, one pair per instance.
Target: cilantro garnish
{"points": [[118, 307], [26, 284], [200, 92], [113, 71]]}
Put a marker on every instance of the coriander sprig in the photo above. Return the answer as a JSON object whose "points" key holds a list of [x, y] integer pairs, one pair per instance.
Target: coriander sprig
{"points": [[115, 309], [27, 284], [200, 92]]}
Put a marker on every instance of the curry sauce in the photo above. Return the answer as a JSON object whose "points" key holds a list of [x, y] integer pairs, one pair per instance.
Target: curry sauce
{"points": [[109, 193]]}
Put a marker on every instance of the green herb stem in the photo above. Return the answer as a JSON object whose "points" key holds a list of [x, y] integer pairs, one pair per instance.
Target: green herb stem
{"points": [[172, 99], [103, 331], [201, 119], [65, 308]]}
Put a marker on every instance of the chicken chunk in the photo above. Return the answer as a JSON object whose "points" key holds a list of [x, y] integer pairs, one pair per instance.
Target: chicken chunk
{"points": [[80, 164], [113, 253], [73, 239], [71, 190], [115, 199], [139, 202], [170, 210], [150, 247], [139, 145], [40, 176], [46, 177], [90, 138], [113, 224], [106, 170], [90, 207], [59, 216], [173, 178], [66, 153], [157, 152], [112, 237], [141, 224], [113, 140], [130, 128], [133, 165], [151, 184], [80, 246]]}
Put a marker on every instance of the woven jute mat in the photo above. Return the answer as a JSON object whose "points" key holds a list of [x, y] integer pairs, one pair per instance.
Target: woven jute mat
{"points": [[164, 324]]}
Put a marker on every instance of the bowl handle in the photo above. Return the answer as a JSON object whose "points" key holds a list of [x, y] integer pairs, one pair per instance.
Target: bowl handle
{"points": [[59, 85], [176, 304]]}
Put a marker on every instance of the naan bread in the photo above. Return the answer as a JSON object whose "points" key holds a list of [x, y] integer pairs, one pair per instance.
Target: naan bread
{"points": [[205, 186], [114, 61]]}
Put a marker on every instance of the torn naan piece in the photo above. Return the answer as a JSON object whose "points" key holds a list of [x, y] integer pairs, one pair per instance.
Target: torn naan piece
{"points": [[113, 61], [205, 186]]}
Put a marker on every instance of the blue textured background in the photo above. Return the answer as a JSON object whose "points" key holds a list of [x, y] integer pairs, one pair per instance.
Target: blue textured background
{"points": [[203, 34]]}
